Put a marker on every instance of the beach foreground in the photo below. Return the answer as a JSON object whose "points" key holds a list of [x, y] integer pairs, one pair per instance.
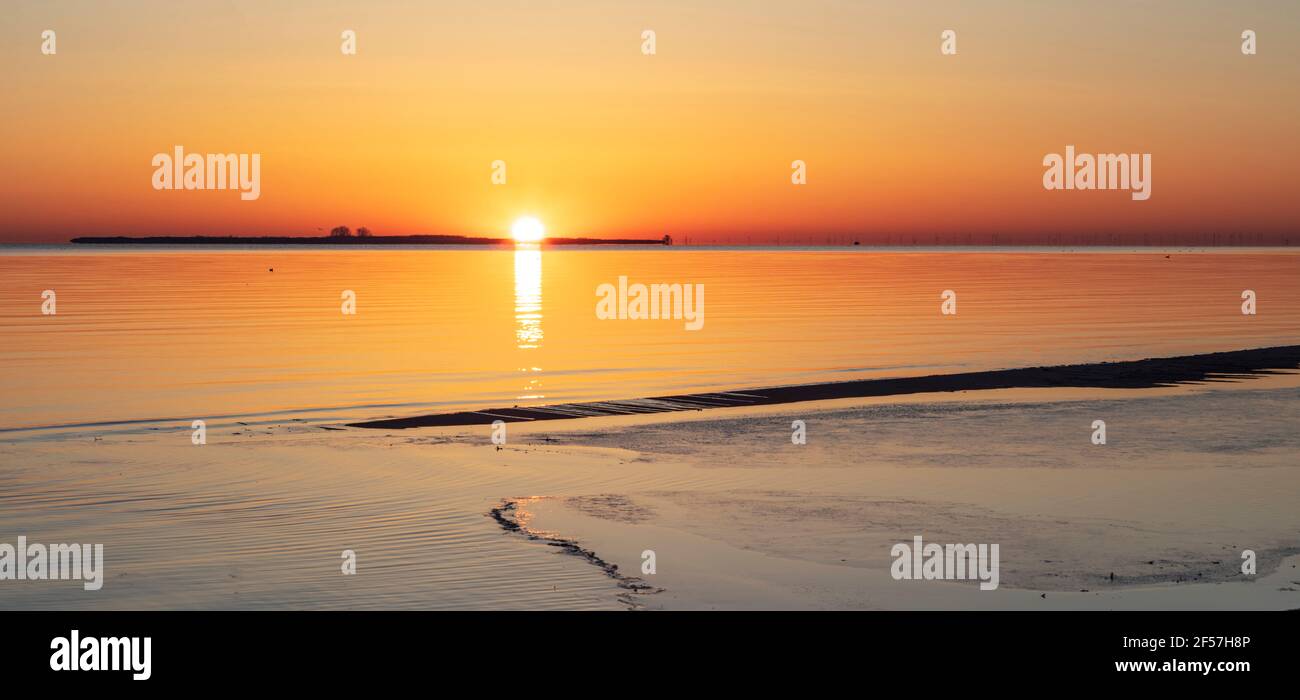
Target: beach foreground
{"points": [[737, 516]]}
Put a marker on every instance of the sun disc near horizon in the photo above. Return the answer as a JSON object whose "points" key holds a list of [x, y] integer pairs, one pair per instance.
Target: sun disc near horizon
{"points": [[528, 229]]}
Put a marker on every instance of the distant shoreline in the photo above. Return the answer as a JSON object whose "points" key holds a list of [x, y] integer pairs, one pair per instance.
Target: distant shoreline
{"points": [[346, 240], [1134, 374]]}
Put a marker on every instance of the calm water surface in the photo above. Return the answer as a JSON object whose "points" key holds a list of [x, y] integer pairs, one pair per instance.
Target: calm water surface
{"points": [[150, 336]]}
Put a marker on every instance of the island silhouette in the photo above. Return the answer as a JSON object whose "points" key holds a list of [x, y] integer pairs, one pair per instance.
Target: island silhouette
{"points": [[418, 239]]}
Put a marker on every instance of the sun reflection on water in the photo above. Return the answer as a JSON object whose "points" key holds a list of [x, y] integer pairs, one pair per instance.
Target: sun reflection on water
{"points": [[528, 313]]}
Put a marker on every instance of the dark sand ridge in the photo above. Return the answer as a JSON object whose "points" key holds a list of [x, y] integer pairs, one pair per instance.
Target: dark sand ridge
{"points": [[1137, 374]]}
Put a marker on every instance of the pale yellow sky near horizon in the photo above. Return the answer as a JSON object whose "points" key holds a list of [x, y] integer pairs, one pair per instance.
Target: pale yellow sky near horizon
{"points": [[696, 140]]}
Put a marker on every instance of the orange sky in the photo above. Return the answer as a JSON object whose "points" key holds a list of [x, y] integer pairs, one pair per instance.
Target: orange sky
{"points": [[696, 141]]}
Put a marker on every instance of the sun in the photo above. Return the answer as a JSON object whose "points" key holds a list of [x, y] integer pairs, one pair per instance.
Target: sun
{"points": [[528, 229]]}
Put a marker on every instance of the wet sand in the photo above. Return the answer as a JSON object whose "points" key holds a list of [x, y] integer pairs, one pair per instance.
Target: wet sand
{"points": [[1156, 519], [737, 515]]}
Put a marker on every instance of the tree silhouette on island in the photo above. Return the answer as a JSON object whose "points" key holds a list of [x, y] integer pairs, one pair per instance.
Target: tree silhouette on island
{"points": [[344, 232]]}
